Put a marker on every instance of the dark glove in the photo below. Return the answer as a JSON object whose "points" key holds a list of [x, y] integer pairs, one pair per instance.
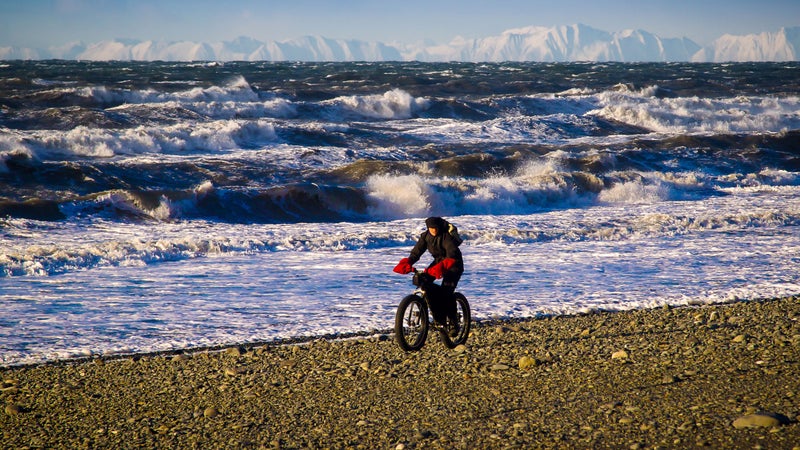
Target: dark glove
{"points": [[403, 267]]}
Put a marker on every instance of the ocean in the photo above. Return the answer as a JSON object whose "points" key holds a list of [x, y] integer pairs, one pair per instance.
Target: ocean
{"points": [[154, 206]]}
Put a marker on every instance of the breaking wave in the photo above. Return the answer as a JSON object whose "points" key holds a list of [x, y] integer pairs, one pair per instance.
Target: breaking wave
{"points": [[644, 108], [120, 244]]}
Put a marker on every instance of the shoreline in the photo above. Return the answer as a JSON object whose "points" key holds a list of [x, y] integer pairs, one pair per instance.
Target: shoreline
{"points": [[385, 334], [670, 377]]}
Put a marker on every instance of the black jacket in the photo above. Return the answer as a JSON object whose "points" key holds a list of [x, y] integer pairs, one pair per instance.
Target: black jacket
{"points": [[440, 246]]}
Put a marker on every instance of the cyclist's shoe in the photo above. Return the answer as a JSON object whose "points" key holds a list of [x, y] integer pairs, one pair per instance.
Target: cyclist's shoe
{"points": [[453, 328], [439, 321]]}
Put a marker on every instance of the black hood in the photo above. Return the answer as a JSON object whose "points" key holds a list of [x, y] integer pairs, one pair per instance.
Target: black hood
{"points": [[435, 222]]}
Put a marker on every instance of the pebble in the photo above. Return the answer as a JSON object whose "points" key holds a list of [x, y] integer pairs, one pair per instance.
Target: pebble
{"points": [[526, 362], [759, 420], [235, 351], [210, 412], [669, 379], [619, 354], [233, 371]]}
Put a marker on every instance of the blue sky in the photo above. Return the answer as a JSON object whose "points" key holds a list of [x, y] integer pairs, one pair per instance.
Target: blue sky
{"points": [[45, 23]]}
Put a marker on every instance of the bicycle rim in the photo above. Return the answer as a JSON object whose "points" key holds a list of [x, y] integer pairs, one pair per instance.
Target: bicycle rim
{"points": [[411, 323]]}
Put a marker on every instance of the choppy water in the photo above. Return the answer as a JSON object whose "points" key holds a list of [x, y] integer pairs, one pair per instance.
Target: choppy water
{"points": [[127, 187]]}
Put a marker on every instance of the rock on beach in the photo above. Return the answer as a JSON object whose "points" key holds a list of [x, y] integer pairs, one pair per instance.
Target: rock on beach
{"points": [[760, 420]]}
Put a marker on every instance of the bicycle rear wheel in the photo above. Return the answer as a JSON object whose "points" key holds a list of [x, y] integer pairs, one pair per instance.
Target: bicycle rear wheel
{"points": [[411, 323], [464, 320]]}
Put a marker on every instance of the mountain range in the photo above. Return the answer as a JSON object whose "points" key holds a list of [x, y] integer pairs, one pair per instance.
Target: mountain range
{"points": [[544, 44]]}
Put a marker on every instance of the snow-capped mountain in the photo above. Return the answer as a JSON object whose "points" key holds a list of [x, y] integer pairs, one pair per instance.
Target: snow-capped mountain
{"points": [[563, 43], [316, 48], [548, 44], [783, 45]]}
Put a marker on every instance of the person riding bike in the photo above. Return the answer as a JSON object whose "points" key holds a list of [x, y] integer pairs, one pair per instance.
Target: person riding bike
{"points": [[447, 264]]}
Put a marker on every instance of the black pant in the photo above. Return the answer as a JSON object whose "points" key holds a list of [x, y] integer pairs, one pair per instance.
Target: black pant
{"points": [[450, 281], [441, 299]]}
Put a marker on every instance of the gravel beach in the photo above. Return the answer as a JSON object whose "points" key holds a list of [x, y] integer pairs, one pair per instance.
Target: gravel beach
{"points": [[716, 376]]}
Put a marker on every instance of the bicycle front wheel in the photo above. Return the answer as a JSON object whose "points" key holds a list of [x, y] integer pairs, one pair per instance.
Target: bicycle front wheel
{"points": [[411, 323]]}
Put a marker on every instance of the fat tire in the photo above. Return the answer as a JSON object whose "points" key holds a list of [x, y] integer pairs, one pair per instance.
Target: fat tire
{"points": [[410, 332], [465, 318]]}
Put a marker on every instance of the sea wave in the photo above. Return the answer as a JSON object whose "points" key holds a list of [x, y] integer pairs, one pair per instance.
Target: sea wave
{"points": [[678, 115], [394, 104], [255, 143], [91, 142], [34, 248], [299, 184], [236, 89]]}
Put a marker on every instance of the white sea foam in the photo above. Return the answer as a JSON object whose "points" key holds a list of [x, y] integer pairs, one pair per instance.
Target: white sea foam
{"points": [[699, 115], [507, 129], [398, 196], [227, 109], [394, 104], [635, 192], [12, 145], [235, 99], [535, 186], [38, 249], [83, 141], [237, 89]]}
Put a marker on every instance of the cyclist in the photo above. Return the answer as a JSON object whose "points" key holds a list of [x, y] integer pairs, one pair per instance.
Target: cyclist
{"points": [[447, 264]]}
